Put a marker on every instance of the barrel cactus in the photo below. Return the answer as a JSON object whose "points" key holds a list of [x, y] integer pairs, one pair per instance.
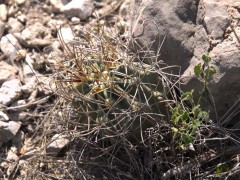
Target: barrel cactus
{"points": [[112, 90]]}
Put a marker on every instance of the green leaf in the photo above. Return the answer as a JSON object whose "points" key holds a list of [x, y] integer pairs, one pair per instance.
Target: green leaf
{"points": [[187, 96], [185, 116], [186, 138], [222, 168], [206, 58], [198, 70], [210, 72], [203, 94], [196, 122]]}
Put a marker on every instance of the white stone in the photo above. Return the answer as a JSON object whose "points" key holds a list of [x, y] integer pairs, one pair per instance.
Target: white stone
{"points": [[10, 91], [20, 2], [82, 9], [10, 46], [58, 143], [66, 34], [75, 20], [3, 116], [3, 12]]}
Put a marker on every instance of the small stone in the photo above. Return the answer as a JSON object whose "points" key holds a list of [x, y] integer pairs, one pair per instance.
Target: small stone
{"points": [[10, 91], [58, 143], [12, 10], [75, 20], [3, 12], [66, 34], [20, 2], [3, 117], [10, 46], [15, 25], [7, 72], [19, 103], [22, 18], [8, 130], [11, 156], [82, 9]]}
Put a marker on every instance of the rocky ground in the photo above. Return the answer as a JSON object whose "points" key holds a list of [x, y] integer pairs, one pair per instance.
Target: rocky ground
{"points": [[38, 140], [29, 33]]}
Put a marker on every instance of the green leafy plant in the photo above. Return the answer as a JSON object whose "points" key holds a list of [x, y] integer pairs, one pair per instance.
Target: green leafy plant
{"points": [[188, 116], [204, 73]]}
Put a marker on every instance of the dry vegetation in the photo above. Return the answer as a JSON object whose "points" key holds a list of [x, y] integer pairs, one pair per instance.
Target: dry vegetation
{"points": [[125, 117]]}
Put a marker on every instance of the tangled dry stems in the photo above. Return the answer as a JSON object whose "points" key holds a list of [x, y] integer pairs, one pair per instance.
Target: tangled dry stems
{"points": [[104, 144]]}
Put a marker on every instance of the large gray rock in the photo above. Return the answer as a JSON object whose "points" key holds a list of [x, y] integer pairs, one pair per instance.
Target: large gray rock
{"points": [[192, 28], [174, 19]]}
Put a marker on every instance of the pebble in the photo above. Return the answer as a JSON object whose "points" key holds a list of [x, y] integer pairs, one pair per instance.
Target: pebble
{"points": [[15, 25], [57, 144], [10, 46], [66, 34], [20, 2], [3, 12], [10, 91], [75, 8], [7, 72], [8, 130]]}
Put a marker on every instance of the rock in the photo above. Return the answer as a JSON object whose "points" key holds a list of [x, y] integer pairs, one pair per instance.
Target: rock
{"points": [[216, 19], [57, 144], [75, 20], [82, 9], [3, 117], [35, 35], [7, 72], [10, 46], [22, 18], [193, 28], [2, 28], [66, 34], [8, 130], [12, 11], [20, 2], [175, 20], [10, 91], [18, 140], [3, 12], [15, 25]]}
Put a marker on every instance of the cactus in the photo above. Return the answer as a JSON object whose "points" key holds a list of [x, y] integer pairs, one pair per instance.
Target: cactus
{"points": [[109, 87]]}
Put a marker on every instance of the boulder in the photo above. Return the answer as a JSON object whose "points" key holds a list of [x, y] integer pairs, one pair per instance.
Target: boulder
{"points": [[188, 29]]}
